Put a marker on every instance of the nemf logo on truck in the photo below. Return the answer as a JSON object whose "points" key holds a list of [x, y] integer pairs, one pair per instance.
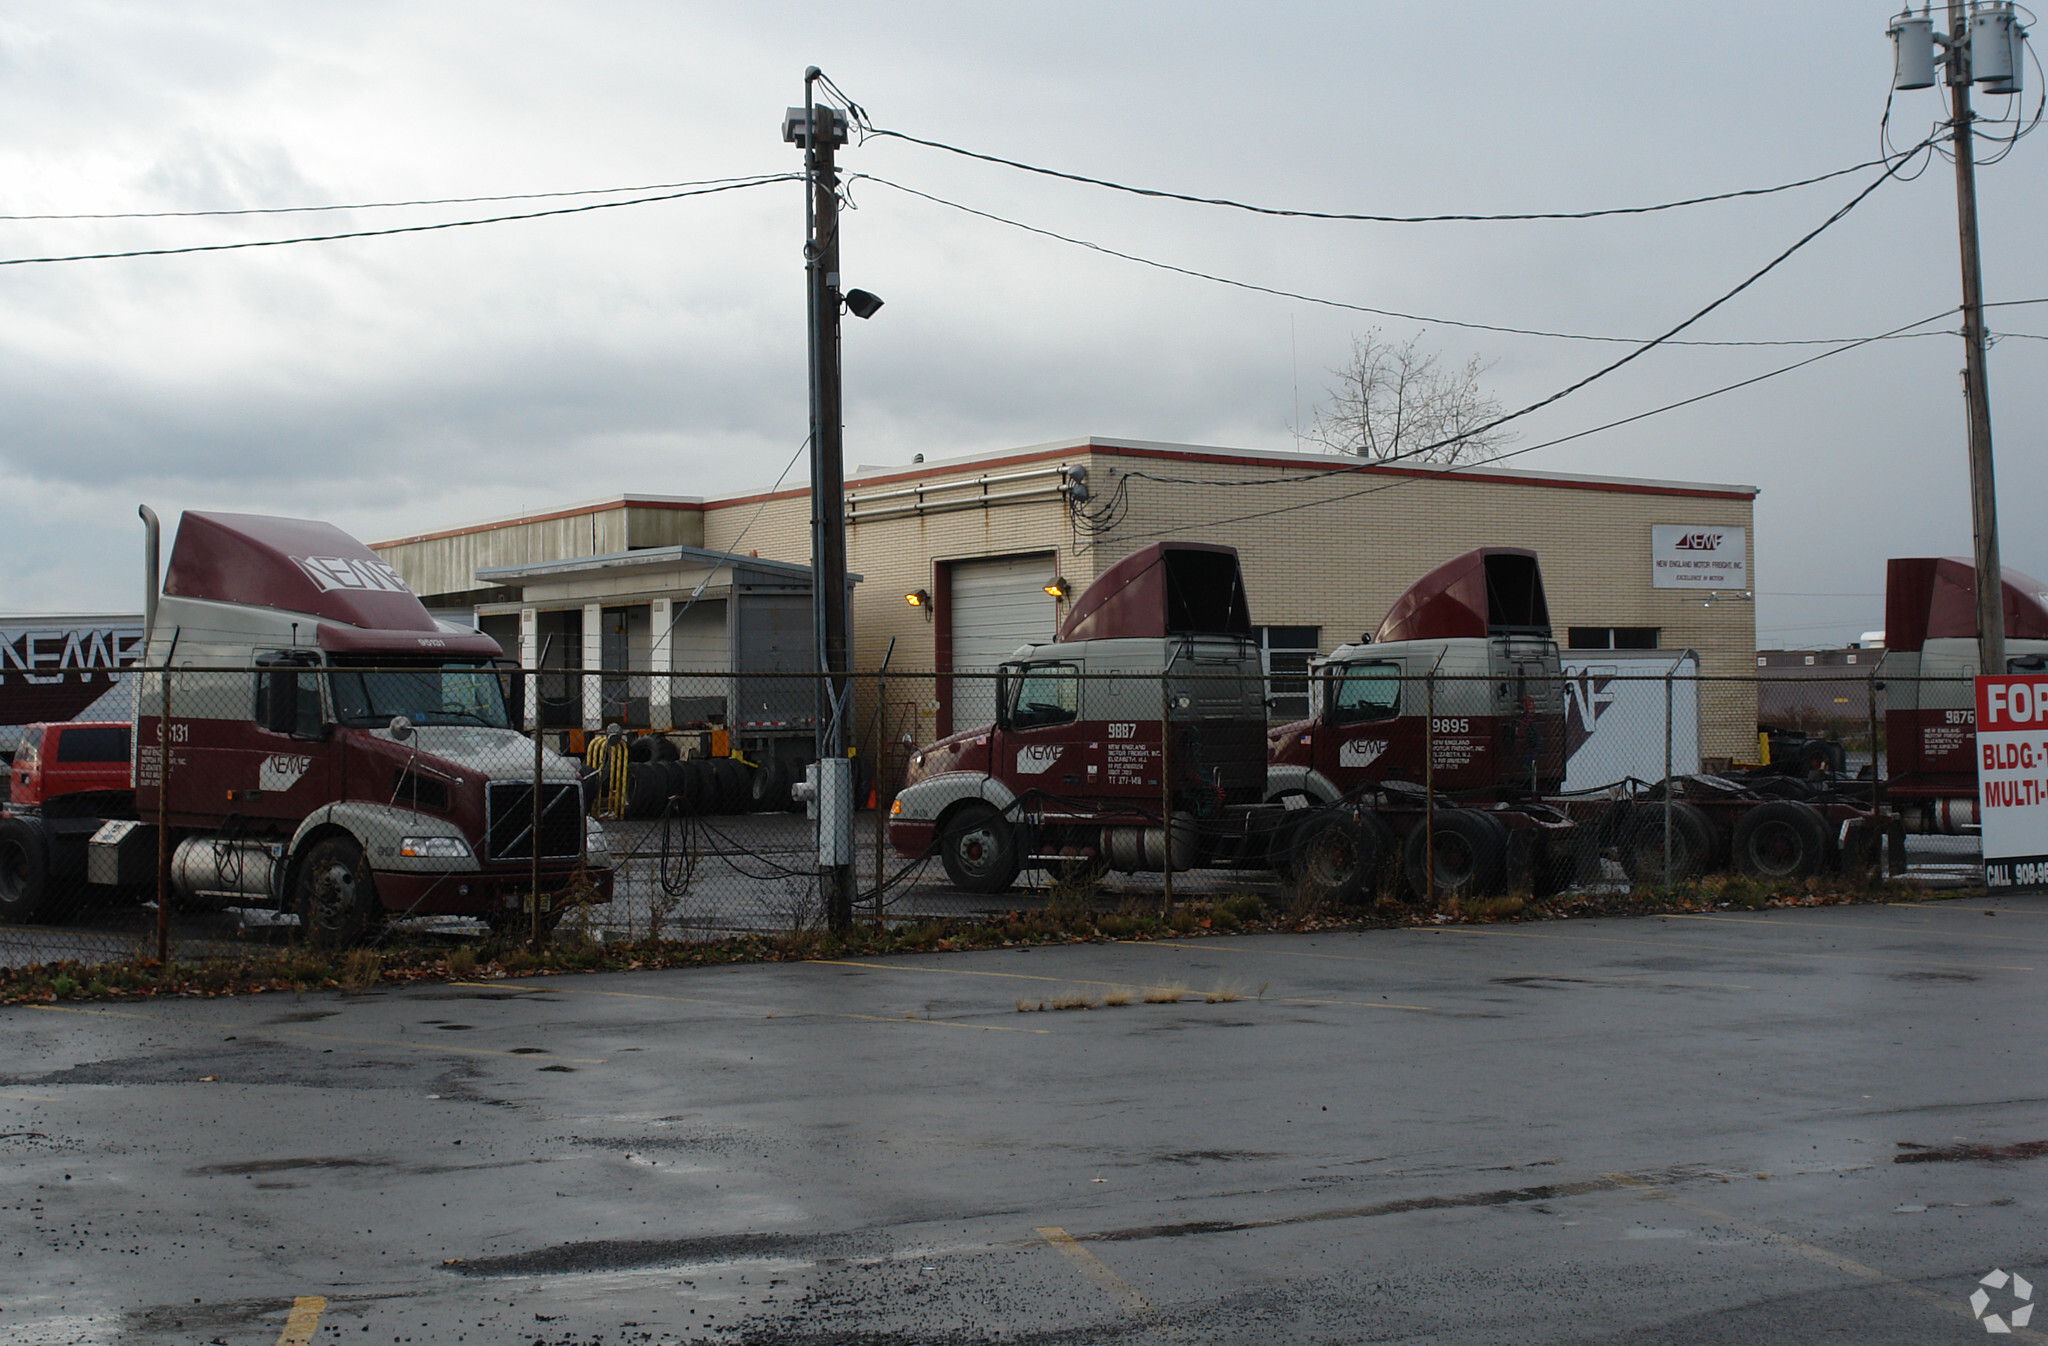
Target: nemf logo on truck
{"points": [[330, 573]]}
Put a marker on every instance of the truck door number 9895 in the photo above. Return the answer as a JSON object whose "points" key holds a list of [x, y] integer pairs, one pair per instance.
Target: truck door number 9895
{"points": [[1450, 726], [1123, 731]]}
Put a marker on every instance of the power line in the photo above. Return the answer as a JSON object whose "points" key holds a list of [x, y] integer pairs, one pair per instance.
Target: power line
{"points": [[1323, 301], [1412, 475], [383, 205], [402, 229], [1361, 217]]}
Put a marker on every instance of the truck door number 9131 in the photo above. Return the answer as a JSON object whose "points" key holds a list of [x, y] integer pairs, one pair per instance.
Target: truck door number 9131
{"points": [[1450, 726], [1123, 731]]}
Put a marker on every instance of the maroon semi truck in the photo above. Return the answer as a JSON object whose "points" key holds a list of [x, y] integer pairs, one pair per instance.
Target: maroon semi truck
{"points": [[333, 751], [1930, 659], [1070, 773], [1462, 687]]}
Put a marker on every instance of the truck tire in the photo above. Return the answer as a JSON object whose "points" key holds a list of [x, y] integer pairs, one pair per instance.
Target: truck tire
{"points": [[1341, 857], [978, 847], [1471, 855], [665, 749], [1861, 848], [1782, 839], [732, 786], [697, 785], [335, 895], [24, 870], [646, 789], [768, 787], [1692, 843]]}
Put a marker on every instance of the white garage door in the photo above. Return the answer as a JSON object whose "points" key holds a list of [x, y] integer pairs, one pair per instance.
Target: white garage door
{"points": [[997, 605]]}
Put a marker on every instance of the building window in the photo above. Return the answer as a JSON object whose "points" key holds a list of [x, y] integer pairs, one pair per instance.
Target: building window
{"points": [[1284, 652], [1612, 637]]}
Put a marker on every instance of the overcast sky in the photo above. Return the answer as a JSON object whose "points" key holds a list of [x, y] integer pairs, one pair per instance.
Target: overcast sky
{"points": [[390, 384]]}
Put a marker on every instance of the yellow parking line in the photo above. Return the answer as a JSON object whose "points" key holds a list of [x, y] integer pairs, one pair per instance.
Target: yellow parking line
{"points": [[793, 1014], [1724, 948], [304, 1322], [1091, 1266], [1090, 981], [1766, 1235]]}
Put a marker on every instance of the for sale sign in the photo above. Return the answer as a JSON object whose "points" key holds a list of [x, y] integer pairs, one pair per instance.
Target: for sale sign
{"points": [[2012, 780]]}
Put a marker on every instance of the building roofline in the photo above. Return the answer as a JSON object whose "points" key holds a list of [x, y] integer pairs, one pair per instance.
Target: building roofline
{"points": [[644, 558], [624, 500], [869, 475]]}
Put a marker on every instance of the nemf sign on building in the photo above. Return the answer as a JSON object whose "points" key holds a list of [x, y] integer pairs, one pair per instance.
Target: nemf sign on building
{"points": [[1683, 556]]}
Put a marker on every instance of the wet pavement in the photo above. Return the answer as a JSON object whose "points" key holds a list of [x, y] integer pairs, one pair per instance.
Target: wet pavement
{"points": [[1794, 1126]]}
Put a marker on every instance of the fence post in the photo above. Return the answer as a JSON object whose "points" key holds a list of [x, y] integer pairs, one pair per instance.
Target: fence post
{"points": [[1877, 842], [1669, 802], [534, 896], [163, 829], [1166, 781], [881, 761], [1429, 783]]}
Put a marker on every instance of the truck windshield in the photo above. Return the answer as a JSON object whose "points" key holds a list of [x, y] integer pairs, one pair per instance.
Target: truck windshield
{"points": [[442, 694]]}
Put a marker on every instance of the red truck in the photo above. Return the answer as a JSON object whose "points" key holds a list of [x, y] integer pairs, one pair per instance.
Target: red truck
{"points": [[1930, 634], [333, 751], [1070, 772]]}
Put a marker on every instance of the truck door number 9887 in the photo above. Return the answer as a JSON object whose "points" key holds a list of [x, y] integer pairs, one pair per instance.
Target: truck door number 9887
{"points": [[1123, 730]]}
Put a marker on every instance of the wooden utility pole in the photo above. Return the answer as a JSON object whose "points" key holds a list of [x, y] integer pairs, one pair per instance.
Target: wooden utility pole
{"points": [[819, 131], [1976, 392]]}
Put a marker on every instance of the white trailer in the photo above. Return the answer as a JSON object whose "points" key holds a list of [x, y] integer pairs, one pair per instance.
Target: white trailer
{"points": [[1615, 712]]}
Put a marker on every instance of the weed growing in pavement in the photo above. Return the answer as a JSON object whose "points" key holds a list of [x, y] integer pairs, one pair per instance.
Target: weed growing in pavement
{"points": [[1165, 995], [1223, 995], [1030, 1006], [1117, 998], [461, 962], [360, 969], [1073, 1000]]}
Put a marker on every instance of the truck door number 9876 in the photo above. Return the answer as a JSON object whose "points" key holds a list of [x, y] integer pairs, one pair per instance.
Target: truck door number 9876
{"points": [[1123, 731]]}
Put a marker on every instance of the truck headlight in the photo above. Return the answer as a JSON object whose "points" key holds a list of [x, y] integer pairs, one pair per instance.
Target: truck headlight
{"points": [[433, 848]]}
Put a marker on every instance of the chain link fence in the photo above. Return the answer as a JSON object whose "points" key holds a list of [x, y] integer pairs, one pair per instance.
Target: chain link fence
{"points": [[311, 802]]}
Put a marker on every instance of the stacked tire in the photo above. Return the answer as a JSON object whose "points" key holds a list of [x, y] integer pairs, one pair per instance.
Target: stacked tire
{"points": [[703, 786]]}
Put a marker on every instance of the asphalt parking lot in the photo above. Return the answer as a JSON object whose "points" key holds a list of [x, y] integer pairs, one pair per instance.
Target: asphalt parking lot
{"points": [[1796, 1126]]}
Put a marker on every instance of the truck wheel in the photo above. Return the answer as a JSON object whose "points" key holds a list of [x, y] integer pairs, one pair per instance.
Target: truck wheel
{"points": [[1783, 839], [1860, 849], [1692, 844], [335, 895], [978, 847], [24, 870], [1339, 856], [1471, 855]]}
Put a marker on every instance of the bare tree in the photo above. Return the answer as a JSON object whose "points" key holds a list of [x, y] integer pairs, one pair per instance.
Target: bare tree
{"points": [[1394, 400]]}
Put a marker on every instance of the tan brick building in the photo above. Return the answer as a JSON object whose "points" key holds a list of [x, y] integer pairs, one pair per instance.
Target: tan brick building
{"points": [[1327, 544]]}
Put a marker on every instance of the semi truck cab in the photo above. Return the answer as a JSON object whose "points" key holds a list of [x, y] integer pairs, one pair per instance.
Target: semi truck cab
{"points": [[1491, 729], [324, 745]]}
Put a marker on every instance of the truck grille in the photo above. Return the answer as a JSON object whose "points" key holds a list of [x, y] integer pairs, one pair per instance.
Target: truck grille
{"points": [[508, 820]]}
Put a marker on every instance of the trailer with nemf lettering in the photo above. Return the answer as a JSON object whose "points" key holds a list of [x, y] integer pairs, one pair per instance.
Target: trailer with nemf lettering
{"points": [[65, 667]]}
